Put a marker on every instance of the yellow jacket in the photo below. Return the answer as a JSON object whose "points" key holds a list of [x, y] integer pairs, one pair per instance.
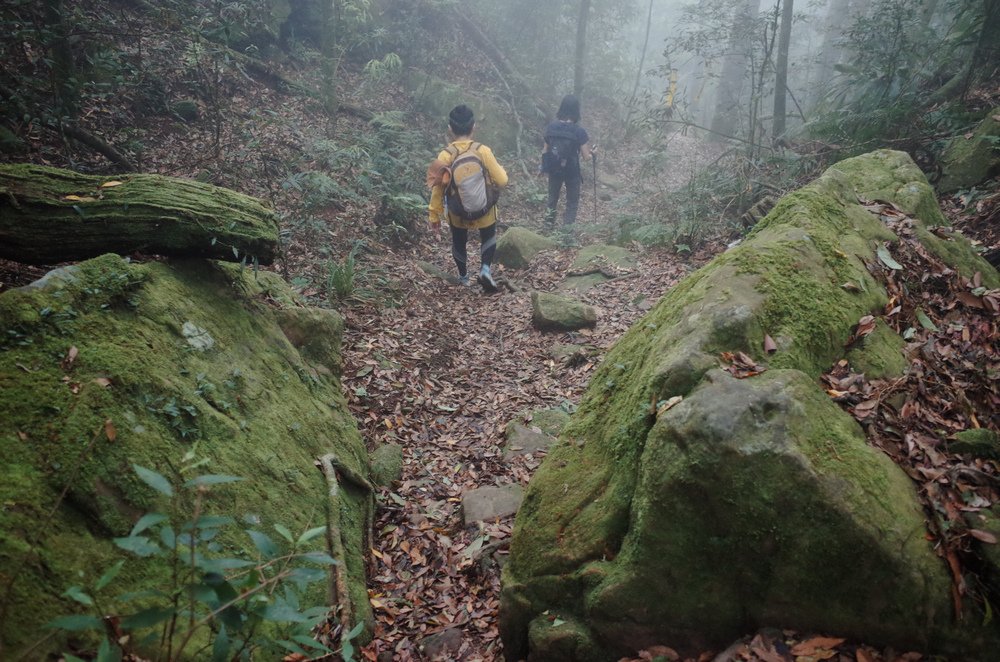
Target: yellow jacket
{"points": [[497, 175]]}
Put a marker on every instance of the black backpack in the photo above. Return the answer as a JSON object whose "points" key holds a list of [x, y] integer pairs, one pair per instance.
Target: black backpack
{"points": [[563, 147]]}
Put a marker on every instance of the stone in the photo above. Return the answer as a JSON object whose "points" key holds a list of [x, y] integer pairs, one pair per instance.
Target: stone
{"points": [[444, 645], [980, 443], [553, 312], [489, 503], [524, 440], [186, 109], [387, 464], [138, 393], [517, 246], [432, 269], [596, 257], [968, 161], [750, 501]]}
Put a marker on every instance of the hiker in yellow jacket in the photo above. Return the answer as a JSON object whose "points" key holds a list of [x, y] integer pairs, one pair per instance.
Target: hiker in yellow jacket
{"points": [[465, 180]]}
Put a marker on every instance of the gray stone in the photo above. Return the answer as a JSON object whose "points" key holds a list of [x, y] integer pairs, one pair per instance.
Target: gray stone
{"points": [[517, 246], [524, 440], [443, 645], [553, 312], [489, 503], [596, 257], [197, 337], [432, 269], [387, 464]]}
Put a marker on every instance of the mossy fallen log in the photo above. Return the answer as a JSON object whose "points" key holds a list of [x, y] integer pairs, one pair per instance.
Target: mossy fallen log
{"points": [[49, 215]]}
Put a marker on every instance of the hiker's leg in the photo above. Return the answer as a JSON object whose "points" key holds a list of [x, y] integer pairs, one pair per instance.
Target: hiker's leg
{"points": [[555, 184], [488, 244], [572, 198], [459, 239]]}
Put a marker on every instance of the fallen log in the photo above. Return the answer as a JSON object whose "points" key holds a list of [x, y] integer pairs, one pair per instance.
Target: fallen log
{"points": [[49, 215]]}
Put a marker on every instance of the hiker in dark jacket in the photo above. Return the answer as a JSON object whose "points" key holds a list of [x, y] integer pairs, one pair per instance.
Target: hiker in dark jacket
{"points": [[565, 142]]}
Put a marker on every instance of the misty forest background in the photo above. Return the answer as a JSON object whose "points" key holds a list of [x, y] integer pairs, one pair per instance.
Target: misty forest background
{"points": [[705, 113]]}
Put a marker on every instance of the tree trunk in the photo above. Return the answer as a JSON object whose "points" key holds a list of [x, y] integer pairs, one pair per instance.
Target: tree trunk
{"points": [[581, 47], [49, 215], [645, 45], [831, 52], [65, 86], [734, 68], [781, 69]]}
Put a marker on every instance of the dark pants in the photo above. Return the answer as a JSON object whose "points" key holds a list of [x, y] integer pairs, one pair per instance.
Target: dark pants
{"points": [[572, 181], [459, 240]]}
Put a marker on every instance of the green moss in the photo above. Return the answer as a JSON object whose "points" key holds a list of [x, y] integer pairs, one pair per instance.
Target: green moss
{"points": [[978, 442], [968, 161], [142, 212], [879, 355], [249, 402]]}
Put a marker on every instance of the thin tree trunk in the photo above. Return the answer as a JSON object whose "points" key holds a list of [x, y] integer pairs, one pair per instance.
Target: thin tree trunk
{"points": [[781, 69], [581, 47], [831, 52], [734, 69], [645, 45]]}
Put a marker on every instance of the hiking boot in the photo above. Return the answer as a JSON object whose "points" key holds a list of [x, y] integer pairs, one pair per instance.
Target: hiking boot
{"points": [[486, 279], [463, 280]]}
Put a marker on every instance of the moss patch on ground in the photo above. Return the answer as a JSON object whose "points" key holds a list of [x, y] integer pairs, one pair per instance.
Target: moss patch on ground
{"points": [[177, 357]]}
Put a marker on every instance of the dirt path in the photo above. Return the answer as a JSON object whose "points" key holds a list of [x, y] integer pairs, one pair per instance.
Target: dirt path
{"points": [[441, 376]]}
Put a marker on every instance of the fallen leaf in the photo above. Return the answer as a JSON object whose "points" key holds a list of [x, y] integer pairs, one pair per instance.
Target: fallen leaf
{"points": [[769, 345], [983, 536], [113, 182], [67, 362], [924, 320], [815, 645], [886, 258], [102, 381], [109, 430]]}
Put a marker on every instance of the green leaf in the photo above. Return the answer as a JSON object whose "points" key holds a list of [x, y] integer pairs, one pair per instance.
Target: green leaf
{"points": [[78, 594], [909, 333], [285, 533], [138, 545], [108, 653], [154, 480], [263, 543], [925, 321], [168, 537], [221, 646], [72, 658], [109, 576], [319, 557], [311, 643], [886, 258], [76, 623], [146, 521], [213, 521], [281, 612], [147, 618], [556, 622], [311, 534], [211, 480]]}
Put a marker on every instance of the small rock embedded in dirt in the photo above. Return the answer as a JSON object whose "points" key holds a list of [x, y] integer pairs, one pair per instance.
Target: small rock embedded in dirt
{"points": [[443, 645], [523, 440], [387, 464], [489, 503], [551, 312]]}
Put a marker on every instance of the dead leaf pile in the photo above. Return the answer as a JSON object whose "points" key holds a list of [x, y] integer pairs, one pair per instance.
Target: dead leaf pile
{"points": [[952, 384]]}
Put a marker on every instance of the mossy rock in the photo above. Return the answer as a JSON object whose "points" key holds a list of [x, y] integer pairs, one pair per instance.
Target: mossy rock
{"points": [[186, 109], [753, 502], [980, 443], [595, 257], [553, 312], [387, 464], [968, 161], [517, 246], [247, 401]]}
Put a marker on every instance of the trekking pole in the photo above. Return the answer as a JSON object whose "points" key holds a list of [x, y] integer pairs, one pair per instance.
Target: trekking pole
{"points": [[593, 158]]}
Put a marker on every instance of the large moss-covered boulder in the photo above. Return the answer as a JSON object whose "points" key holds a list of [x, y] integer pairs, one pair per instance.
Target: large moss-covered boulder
{"points": [[969, 160], [753, 502], [50, 215], [107, 364]]}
